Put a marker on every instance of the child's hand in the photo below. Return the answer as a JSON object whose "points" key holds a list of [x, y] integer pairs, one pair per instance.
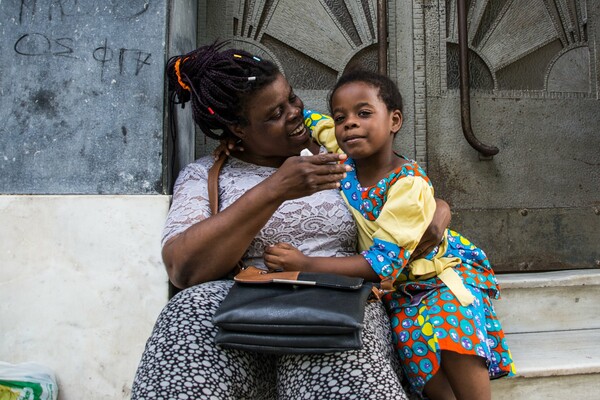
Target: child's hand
{"points": [[286, 256], [227, 146]]}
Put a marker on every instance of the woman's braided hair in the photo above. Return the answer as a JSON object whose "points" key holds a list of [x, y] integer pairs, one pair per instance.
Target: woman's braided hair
{"points": [[218, 83]]}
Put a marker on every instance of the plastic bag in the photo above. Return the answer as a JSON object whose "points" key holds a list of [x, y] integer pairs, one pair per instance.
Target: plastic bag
{"points": [[27, 381]]}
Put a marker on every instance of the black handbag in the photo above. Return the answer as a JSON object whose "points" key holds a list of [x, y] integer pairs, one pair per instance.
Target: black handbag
{"points": [[289, 312], [292, 312]]}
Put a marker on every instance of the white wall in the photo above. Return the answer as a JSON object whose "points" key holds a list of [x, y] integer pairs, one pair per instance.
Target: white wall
{"points": [[81, 284]]}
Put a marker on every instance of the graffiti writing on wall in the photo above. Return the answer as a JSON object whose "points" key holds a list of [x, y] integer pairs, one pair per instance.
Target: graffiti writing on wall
{"points": [[52, 10], [108, 55], [126, 61]]}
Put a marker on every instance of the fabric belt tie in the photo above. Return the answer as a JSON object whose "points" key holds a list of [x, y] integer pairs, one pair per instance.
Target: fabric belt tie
{"points": [[443, 268]]}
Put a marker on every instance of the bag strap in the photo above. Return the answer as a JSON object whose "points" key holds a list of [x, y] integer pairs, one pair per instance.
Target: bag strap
{"points": [[253, 275], [213, 194], [213, 183]]}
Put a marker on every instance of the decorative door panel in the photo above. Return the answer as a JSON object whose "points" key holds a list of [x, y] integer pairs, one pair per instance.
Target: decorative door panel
{"points": [[534, 73], [313, 41]]}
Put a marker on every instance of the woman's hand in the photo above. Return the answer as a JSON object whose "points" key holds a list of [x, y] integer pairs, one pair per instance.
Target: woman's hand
{"points": [[227, 146], [435, 231], [285, 256], [302, 176]]}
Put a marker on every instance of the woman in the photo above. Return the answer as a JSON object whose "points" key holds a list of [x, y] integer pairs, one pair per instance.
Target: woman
{"points": [[267, 195]]}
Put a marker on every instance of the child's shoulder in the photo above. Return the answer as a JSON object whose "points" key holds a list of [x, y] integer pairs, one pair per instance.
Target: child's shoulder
{"points": [[409, 168]]}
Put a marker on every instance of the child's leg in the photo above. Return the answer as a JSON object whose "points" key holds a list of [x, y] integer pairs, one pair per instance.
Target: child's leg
{"points": [[455, 341], [460, 374], [467, 375], [438, 387]]}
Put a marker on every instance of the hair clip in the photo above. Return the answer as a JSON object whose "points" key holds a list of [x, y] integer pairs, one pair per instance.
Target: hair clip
{"points": [[237, 56], [251, 78], [256, 58], [210, 110]]}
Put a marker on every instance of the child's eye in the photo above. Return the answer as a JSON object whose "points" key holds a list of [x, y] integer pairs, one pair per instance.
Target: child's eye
{"points": [[293, 97], [364, 113], [338, 118]]}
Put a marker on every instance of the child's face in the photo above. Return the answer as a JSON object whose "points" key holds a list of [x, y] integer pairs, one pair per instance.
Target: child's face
{"points": [[363, 125]]}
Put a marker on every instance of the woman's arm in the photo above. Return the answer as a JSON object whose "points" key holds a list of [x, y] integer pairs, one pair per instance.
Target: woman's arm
{"points": [[435, 231], [212, 247]]}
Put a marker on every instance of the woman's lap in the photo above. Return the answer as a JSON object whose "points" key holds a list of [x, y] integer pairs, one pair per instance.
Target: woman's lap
{"points": [[368, 373], [181, 361]]}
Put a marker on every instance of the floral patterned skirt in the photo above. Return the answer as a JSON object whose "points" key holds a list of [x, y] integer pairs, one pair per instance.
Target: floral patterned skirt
{"points": [[437, 321]]}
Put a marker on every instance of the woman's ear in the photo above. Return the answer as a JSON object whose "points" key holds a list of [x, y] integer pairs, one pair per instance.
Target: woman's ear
{"points": [[396, 121], [237, 130]]}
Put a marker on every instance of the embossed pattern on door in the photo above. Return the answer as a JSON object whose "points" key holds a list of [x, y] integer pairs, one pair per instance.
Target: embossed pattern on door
{"points": [[534, 91]]}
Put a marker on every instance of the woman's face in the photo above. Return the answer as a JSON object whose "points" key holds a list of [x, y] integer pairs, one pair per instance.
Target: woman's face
{"points": [[275, 127]]}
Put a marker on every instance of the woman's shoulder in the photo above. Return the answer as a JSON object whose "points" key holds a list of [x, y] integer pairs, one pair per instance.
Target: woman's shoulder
{"points": [[202, 163], [234, 171], [232, 168], [197, 169], [194, 174]]}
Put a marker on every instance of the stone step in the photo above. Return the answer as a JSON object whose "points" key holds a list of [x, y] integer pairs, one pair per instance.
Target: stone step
{"points": [[552, 365], [549, 301]]}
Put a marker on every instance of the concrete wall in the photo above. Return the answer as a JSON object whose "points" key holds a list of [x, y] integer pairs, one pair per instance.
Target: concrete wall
{"points": [[81, 284], [82, 96], [83, 183]]}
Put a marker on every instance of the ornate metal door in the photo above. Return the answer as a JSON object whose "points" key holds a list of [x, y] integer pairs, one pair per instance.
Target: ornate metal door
{"points": [[534, 94], [534, 83]]}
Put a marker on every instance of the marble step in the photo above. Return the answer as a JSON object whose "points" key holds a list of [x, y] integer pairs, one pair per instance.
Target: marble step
{"points": [[552, 365], [549, 301]]}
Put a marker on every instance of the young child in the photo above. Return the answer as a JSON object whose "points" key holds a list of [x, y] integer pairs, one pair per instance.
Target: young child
{"points": [[445, 329]]}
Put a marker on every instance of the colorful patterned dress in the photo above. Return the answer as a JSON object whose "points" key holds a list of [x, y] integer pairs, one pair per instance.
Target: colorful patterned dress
{"points": [[441, 302]]}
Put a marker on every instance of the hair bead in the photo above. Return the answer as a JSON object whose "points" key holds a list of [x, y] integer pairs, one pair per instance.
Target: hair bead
{"points": [[210, 110], [251, 78], [178, 73]]}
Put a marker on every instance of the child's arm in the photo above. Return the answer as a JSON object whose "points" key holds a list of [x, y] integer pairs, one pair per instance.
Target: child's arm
{"points": [[387, 257], [322, 130], [287, 257], [401, 222]]}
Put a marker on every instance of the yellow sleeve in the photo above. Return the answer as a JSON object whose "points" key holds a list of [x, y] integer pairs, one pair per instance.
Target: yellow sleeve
{"points": [[324, 134], [407, 213]]}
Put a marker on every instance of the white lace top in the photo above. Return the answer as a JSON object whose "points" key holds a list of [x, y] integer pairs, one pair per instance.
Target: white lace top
{"points": [[319, 225]]}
